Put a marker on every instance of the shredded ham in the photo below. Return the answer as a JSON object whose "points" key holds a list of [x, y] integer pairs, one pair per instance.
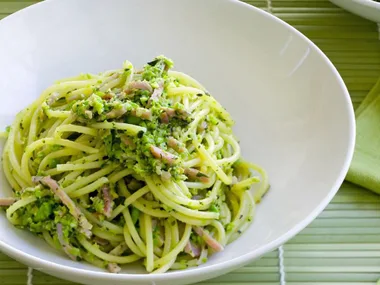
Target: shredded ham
{"points": [[113, 268], [195, 174], [73, 209], [156, 93], [209, 240], [142, 85], [108, 96], [164, 118], [107, 201], [176, 145], [5, 202], [192, 249], [142, 113], [163, 155], [65, 245], [171, 113], [127, 141]]}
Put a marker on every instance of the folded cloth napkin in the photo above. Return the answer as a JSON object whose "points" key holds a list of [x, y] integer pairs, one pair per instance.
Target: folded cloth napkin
{"points": [[365, 165]]}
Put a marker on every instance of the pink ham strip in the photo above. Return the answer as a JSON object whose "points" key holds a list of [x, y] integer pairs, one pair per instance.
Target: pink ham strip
{"points": [[73, 209], [195, 174], [127, 141], [176, 145], [5, 202], [192, 249], [171, 113], [156, 93], [65, 245], [163, 155], [107, 201], [142, 113], [164, 118], [142, 85], [209, 240]]}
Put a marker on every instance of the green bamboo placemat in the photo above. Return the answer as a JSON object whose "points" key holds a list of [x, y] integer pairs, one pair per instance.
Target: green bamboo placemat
{"points": [[342, 246]]}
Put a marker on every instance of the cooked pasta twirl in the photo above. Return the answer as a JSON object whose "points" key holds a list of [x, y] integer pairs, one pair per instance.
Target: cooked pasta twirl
{"points": [[130, 165]]}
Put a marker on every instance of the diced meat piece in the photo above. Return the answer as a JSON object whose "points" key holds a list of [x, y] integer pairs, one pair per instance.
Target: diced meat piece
{"points": [[169, 111], [65, 245], [195, 174], [107, 201], [142, 113], [176, 145], [178, 113], [157, 92], [192, 249], [5, 202], [163, 155], [127, 141], [209, 240], [164, 118], [108, 96], [142, 85]]}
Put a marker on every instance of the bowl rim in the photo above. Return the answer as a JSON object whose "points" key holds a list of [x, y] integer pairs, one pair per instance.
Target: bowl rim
{"points": [[368, 9], [226, 266], [368, 3]]}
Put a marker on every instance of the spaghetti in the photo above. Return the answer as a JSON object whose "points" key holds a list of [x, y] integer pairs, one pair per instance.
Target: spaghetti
{"points": [[130, 165]]}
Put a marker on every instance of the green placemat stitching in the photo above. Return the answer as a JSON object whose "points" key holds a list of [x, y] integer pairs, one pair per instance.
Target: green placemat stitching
{"points": [[342, 246]]}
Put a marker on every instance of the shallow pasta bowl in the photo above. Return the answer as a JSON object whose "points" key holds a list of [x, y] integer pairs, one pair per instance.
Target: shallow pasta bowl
{"points": [[292, 110], [369, 9]]}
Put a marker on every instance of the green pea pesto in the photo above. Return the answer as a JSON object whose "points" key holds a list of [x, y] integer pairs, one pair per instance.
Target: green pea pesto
{"points": [[44, 215], [137, 108], [214, 208], [97, 205]]}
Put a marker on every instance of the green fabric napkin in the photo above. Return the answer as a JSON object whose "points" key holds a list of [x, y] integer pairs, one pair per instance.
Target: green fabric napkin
{"points": [[365, 166]]}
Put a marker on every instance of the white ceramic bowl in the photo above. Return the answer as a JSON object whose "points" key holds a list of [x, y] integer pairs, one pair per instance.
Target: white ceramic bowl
{"points": [[293, 112], [368, 9]]}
